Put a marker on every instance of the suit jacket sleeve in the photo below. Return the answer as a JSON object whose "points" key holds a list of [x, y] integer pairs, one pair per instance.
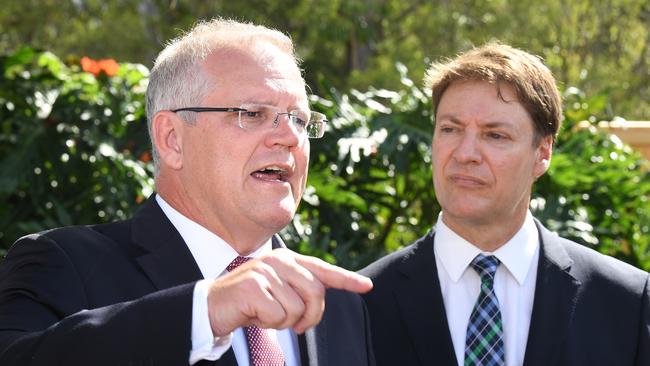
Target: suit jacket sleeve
{"points": [[43, 310]]}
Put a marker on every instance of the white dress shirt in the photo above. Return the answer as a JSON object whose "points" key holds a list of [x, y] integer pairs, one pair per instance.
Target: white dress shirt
{"points": [[514, 284], [212, 255]]}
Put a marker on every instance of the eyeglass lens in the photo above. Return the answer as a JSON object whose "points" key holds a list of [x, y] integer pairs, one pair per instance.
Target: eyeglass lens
{"points": [[255, 116]]}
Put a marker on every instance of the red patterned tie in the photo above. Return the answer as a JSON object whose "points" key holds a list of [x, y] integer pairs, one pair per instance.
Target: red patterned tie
{"points": [[264, 349]]}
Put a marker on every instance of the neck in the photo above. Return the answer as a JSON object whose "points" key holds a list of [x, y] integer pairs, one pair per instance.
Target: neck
{"points": [[244, 240], [487, 236]]}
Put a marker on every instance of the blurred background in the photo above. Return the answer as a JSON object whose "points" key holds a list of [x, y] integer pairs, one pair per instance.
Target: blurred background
{"points": [[74, 149]]}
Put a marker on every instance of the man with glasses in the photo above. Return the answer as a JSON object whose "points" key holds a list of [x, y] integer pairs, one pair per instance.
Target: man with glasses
{"points": [[193, 277]]}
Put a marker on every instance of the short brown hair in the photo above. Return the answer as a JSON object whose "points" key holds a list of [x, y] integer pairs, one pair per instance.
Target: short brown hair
{"points": [[499, 63]]}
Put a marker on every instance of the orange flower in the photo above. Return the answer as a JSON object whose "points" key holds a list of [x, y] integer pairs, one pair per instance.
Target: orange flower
{"points": [[108, 66], [145, 157], [90, 65]]}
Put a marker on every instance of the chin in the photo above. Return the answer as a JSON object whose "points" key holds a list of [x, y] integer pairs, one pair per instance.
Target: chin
{"points": [[471, 213], [280, 216], [276, 223]]}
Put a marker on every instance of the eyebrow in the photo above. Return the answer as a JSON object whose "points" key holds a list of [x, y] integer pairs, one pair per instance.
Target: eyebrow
{"points": [[455, 120], [448, 117], [258, 102], [267, 102]]}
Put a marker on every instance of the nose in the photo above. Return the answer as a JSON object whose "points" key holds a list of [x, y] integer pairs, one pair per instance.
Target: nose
{"points": [[468, 150]]}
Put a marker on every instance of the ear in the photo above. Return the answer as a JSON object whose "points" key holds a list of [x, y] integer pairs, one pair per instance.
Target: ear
{"points": [[167, 134], [543, 153]]}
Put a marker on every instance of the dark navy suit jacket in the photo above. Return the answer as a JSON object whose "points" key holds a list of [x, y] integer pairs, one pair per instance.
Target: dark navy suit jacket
{"points": [[121, 294], [589, 309]]}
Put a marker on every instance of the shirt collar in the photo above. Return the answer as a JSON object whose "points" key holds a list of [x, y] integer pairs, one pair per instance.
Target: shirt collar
{"points": [[211, 253], [456, 253]]}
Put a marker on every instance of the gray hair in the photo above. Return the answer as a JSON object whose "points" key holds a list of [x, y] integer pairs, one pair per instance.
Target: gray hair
{"points": [[177, 80]]}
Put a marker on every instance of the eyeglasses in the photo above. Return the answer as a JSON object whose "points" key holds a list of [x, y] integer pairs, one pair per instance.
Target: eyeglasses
{"points": [[257, 116]]}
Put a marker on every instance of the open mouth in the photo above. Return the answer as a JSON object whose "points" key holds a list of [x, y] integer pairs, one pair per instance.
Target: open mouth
{"points": [[271, 173]]}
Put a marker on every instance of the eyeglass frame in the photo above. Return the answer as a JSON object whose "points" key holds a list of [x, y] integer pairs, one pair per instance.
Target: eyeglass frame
{"points": [[240, 109]]}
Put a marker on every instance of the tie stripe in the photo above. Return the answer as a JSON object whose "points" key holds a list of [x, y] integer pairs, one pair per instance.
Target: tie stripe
{"points": [[263, 347], [484, 339]]}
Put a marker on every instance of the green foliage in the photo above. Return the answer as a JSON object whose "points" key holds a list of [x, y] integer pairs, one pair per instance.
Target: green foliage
{"points": [[74, 150], [598, 46], [595, 193], [597, 189], [68, 144], [369, 189]]}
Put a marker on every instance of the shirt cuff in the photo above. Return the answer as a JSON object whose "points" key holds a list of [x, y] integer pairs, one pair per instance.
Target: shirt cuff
{"points": [[204, 345]]}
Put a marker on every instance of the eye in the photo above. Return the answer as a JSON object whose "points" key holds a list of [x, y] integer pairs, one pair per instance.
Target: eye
{"points": [[299, 118], [298, 121], [446, 129], [252, 114], [495, 136]]}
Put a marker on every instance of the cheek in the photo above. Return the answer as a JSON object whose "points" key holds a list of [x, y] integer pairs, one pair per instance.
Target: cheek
{"points": [[202, 139], [302, 165], [514, 173], [435, 154], [301, 153], [437, 174], [195, 150], [535, 166], [440, 158]]}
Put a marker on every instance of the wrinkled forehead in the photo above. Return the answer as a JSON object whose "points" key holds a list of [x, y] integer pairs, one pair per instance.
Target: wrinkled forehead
{"points": [[259, 70]]}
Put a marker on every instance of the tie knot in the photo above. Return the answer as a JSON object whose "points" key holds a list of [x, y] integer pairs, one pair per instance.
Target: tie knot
{"points": [[237, 262], [485, 266]]}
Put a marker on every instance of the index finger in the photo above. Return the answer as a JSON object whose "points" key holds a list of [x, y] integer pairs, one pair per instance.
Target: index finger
{"points": [[335, 277]]}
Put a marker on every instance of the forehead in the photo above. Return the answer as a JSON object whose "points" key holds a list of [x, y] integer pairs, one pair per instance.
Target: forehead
{"points": [[482, 101], [261, 73]]}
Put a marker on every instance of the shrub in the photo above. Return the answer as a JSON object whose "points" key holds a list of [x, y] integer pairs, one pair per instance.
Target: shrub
{"points": [[73, 145], [74, 150]]}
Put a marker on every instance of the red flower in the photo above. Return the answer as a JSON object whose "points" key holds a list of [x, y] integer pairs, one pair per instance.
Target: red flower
{"points": [[108, 66]]}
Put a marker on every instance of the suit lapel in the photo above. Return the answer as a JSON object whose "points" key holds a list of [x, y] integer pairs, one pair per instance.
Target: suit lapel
{"points": [[168, 261], [420, 302], [313, 346], [555, 297]]}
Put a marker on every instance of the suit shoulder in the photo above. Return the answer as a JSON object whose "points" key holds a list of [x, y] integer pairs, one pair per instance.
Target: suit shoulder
{"points": [[389, 263], [336, 298], [590, 265], [69, 237], [83, 245]]}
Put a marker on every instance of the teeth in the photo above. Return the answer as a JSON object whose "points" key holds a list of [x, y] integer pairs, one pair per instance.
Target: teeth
{"points": [[274, 169]]}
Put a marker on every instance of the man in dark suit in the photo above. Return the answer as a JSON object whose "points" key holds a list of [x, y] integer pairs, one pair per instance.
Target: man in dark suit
{"points": [[490, 285], [193, 277]]}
